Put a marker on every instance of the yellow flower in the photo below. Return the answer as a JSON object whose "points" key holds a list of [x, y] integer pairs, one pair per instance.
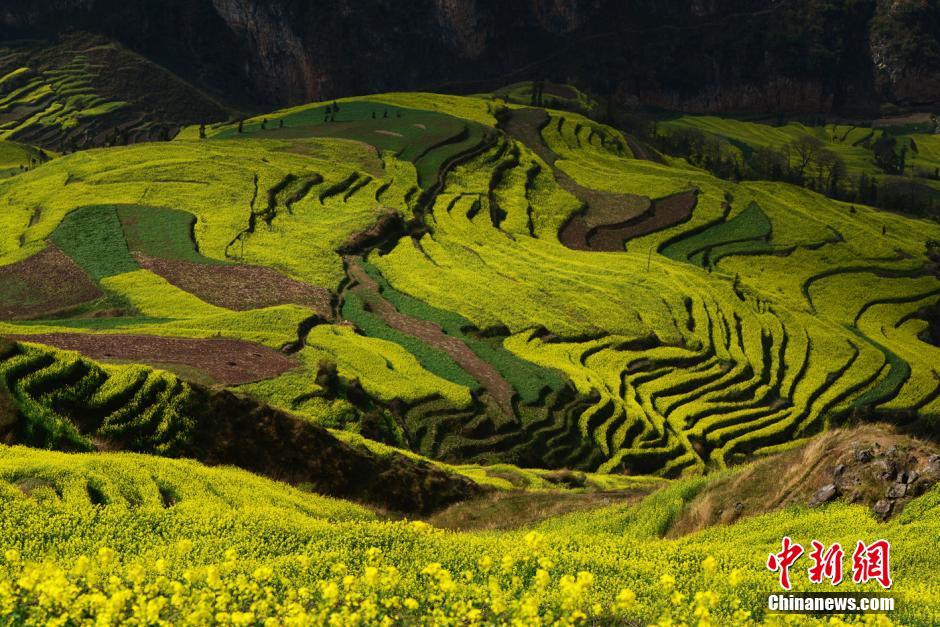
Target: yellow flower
{"points": [[330, 591], [735, 577], [626, 600], [432, 569], [676, 598], [534, 540], [184, 546], [542, 579], [262, 573], [667, 582], [411, 604], [709, 564], [105, 555], [81, 565], [12, 556], [485, 563], [420, 526]]}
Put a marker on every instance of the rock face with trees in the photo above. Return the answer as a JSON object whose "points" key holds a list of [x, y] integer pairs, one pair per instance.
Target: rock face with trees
{"points": [[740, 55]]}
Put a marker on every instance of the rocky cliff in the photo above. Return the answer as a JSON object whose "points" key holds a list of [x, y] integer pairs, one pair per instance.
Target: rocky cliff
{"points": [[698, 55]]}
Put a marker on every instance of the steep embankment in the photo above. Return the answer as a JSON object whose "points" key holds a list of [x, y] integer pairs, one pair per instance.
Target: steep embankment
{"points": [[51, 399]]}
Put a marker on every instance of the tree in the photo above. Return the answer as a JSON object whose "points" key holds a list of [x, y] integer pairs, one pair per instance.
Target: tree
{"points": [[832, 171], [805, 148], [264, 124], [202, 131], [241, 125], [768, 164], [887, 157]]}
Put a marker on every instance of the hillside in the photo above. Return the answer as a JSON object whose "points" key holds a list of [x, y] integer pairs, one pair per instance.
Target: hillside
{"points": [[132, 538], [423, 358], [321, 237], [79, 90]]}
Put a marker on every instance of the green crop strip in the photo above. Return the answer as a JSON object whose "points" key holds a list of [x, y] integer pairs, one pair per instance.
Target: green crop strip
{"points": [[434, 360], [160, 232], [93, 237], [527, 379]]}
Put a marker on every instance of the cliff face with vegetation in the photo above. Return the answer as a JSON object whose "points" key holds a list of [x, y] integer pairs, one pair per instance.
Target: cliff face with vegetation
{"points": [[699, 55]]}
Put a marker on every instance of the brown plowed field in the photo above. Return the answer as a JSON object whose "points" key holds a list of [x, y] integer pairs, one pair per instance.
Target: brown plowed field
{"points": [[238, 287], [666, 211], [46, 283], [228, 362]]}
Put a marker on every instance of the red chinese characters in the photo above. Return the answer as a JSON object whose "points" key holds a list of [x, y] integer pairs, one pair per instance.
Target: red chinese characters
{"points": [[783, 560], [826, 564], [872, 562]]}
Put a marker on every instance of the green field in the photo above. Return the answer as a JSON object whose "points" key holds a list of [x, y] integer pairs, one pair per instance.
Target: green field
{"points": [[391, 268], [697, 333]]}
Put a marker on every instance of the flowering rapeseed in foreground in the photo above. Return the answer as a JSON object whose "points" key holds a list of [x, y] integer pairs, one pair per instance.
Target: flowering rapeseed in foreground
{"points": [[233, 549], [93, 591]]}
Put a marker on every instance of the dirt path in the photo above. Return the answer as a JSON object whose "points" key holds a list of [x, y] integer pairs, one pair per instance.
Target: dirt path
{"points": [[431, 333], [227, 362]]}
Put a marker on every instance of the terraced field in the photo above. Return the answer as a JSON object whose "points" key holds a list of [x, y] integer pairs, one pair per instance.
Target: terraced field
{"points": [[84, 90], [479, 282], [913, 188]]}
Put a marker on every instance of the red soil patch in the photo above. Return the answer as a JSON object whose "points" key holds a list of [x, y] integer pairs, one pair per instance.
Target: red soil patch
{"points": [[229, 362], [603, 208], [668, 211], [574, 233], [238, 287], [46, 283], [432, 334]]}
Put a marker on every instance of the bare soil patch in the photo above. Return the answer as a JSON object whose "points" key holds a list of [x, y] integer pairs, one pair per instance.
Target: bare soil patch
{"points": [[574, 233], [525, 125], [239, 287], [228, 362], [665, 212], [46, 283]]}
